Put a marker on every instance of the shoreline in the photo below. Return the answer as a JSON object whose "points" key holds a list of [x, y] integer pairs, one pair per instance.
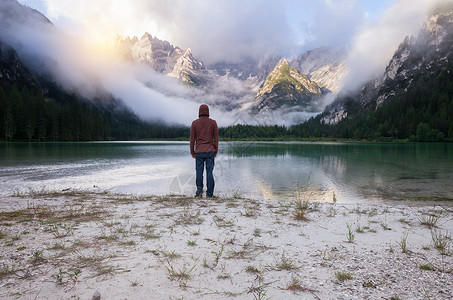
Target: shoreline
{"points": [[72, 243], [252, 139]]}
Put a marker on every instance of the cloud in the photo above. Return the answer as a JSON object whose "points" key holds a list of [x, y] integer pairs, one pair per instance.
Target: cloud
{"points": [[78, 66], [230, 29], [222, 30], [374, 45], [332, 23]]}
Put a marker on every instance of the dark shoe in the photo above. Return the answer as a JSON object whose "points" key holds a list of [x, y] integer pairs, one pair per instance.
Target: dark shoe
{"points": [[211, 196], [198, 195]]}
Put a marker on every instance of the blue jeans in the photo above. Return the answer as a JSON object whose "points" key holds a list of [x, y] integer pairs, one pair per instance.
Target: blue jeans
{"points": [[200, 160]]}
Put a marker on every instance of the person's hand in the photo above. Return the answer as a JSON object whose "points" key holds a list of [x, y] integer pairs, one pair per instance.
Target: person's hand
{"points": [[193, 155]]}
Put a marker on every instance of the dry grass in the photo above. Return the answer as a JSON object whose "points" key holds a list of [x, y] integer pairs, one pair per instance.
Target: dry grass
{"points": [[296, 286], [188, 218], [182, 273], [285, 263], [47, 214], [430, 220], [86, 251], [343, 275], [300, 211], [246, 251]]}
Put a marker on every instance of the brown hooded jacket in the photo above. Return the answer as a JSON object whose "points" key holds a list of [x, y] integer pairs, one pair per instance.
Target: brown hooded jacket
{"points": [[204, 134]]}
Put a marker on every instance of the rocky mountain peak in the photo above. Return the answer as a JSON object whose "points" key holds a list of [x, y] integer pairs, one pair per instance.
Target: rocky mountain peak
{"points": [[146, 37], [12, 68], [158, 54], [325, 65], [427, 54], [187, 69], [286, 87], [271, 76], [14, 14], [283, 61], [437, 27]]}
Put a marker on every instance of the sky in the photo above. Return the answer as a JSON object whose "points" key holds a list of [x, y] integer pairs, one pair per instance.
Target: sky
{"points": [[216, 31]]}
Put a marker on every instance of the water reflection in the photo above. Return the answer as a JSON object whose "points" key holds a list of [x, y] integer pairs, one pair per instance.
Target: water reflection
{"points": [[355, 172]]}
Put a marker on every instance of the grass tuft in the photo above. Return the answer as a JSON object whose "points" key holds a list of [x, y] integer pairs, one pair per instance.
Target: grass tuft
{"points": [[286, 263], [296, 286], [426, 267], [442, 241], [188, 218], [37, 258], [343, 275], [430, 220], [403, 242], [182, 273], [300, 210], [350, 235], [6, 270]]}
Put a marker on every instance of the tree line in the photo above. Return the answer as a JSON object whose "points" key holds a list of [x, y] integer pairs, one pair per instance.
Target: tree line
{"points": [[423, 113], [28, 115]]}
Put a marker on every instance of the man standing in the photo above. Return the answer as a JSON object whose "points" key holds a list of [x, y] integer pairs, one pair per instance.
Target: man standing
{"points": [[204, 146]]}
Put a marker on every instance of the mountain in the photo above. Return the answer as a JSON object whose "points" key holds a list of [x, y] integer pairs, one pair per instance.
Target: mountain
{"points": [[32, 108], [416, 59], [188, 69], [13, 13], [285, 87], [13, 70], [158, 54], [175, 62], [163, 57], [326, 66], [251, 72], [35, 107], [239, 86], [412, 99]]}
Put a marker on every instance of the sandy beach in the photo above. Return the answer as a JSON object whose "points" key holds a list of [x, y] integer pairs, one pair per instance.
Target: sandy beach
{"points": [[80, 245]]}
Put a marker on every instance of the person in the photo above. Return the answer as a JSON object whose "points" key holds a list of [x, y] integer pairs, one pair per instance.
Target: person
{"points": [[204, 146]]}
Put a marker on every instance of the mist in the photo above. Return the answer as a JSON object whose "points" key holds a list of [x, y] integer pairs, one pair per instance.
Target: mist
{"points": [[227, 31], [375, 43], [216, 31], [93, 71]]}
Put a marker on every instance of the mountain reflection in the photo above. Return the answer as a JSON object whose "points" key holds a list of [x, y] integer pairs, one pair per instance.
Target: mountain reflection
{"points": [[370, 170], [353, 172]]}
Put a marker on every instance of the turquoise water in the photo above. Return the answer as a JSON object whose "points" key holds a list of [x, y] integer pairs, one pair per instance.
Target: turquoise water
{"points": [[353, 172]]}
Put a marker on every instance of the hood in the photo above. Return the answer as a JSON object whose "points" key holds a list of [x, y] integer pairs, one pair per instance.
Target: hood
{"points": [[204, 111]]}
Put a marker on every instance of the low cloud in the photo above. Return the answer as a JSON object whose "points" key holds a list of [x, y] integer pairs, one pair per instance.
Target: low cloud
{"points": [[375, 43], [90, 71], [333, 23], [224, 30], [218, 31]]}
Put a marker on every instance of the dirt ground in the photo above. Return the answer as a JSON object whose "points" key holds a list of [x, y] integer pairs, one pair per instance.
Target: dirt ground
{"points": [[72, 244]]}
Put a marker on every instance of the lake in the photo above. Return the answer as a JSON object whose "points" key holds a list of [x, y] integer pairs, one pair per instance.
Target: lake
{"points": [[348, 172]]}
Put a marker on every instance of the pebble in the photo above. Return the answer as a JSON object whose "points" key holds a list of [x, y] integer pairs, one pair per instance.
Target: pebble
{"points": [[96, 296]]}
